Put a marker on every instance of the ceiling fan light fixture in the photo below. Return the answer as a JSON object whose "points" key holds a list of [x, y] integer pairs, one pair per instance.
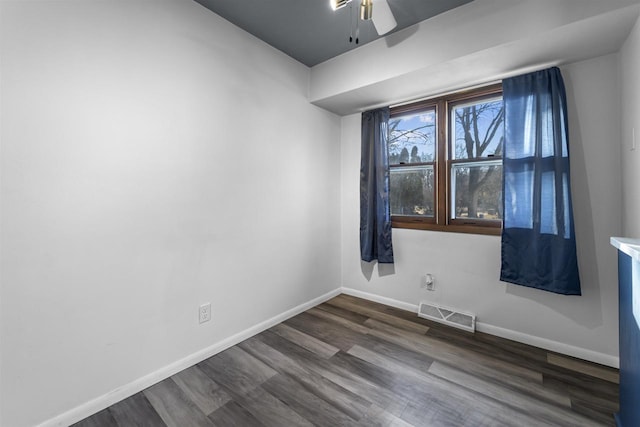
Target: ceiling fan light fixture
{"points": [[337, 4], [366, 9]]}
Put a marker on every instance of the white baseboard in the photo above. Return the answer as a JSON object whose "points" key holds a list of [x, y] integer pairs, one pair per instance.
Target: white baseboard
{"points": [[558, 347], [382, 300], [98, 404]]}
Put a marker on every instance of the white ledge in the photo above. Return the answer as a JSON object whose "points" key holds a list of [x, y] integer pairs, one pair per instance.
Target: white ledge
{"points": [[630, 247]]}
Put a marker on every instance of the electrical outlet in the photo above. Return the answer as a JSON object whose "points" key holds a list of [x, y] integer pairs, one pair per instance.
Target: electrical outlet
{"points": [[205, 312], [633, 139], [429, 282]]}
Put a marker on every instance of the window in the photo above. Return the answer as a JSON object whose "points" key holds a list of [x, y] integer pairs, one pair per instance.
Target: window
{"points": [[445, 158]]}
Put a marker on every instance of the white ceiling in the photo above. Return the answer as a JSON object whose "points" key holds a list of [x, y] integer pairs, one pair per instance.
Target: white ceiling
{"points": [[472, 43]]}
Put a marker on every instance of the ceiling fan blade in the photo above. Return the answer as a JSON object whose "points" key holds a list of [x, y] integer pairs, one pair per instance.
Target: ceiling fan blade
{"points": [[382, 17]]}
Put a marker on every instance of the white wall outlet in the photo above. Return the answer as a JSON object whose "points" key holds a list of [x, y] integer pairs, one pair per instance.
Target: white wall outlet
{"points": [[633, 139], [429, 282], [204, 312]]}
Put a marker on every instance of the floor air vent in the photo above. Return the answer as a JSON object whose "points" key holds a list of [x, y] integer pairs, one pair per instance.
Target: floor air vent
{"points": [[448, 316]]}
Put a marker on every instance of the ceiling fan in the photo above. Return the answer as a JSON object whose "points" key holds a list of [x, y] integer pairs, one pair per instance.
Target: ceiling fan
{"points": [[382, 18]]}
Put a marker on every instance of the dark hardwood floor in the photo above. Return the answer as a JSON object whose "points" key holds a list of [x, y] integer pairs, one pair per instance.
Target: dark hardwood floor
{"points": [[351, 362]]}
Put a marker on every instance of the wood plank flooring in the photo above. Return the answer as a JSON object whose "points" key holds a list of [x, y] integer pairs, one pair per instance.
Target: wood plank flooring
{"points": [[352, 362]]}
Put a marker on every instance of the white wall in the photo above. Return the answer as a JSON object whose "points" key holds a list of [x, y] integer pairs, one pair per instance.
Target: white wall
{"points": [[466, 267], [630, 59], [154, 157]]}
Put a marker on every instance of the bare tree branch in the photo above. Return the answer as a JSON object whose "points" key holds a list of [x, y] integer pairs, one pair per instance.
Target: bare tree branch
{"points": [[491, 130]]}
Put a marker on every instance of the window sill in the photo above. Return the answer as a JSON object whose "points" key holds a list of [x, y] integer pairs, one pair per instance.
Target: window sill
{"points": [[418, 224]]}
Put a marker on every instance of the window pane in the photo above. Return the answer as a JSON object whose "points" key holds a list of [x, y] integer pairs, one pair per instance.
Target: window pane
{"points": [[478, 129], [477, 190], [412, 191], [412, 138]]}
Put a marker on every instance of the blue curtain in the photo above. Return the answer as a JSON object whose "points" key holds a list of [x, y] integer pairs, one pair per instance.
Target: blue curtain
{"points": [[538, 239], [375, 212]]}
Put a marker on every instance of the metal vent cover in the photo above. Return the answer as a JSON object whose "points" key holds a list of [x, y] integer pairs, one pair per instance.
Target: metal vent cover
{"points": [[447, 316]]}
